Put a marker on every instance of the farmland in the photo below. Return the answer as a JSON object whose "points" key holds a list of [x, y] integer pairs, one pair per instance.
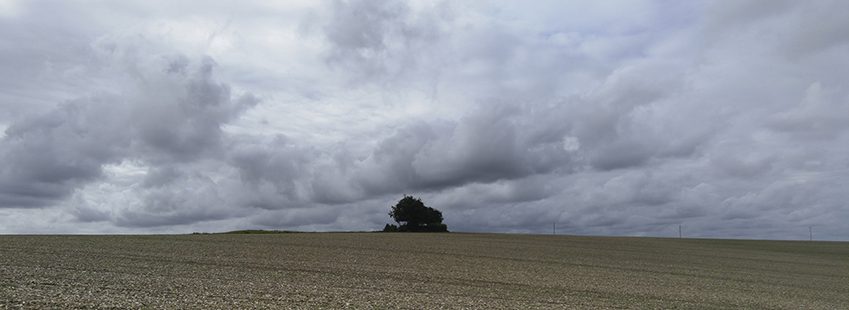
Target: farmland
{"points": [[418, 271]]}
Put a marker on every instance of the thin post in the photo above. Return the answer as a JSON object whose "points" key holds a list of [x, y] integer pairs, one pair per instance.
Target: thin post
{"points": [[554, 228], [679, 232], [811, 233]]}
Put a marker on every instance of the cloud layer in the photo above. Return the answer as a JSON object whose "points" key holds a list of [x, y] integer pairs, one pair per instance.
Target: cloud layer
{"points": [[613, 118]]}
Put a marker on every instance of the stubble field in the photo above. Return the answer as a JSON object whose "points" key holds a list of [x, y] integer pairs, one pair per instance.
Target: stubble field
{"points": [[418, 271]]}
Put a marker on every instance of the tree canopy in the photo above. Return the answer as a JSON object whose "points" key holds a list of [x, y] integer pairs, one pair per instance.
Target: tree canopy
{"points": [[411, 214]]}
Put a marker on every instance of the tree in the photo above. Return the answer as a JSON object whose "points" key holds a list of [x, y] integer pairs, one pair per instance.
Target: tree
{"points": [[411, 214]]}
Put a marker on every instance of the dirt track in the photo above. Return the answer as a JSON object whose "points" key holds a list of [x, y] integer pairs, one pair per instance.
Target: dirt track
{"points": [[418, 271]]}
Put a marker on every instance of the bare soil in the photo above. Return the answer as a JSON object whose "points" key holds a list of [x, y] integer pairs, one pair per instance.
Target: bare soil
{"points": [[418, 271]]}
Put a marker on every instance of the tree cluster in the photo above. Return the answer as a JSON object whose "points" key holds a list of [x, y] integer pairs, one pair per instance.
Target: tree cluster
{"points": [[412, 215]]}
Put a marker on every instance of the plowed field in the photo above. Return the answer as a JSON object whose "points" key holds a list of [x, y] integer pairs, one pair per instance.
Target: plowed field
{"points": [[418, 271]]}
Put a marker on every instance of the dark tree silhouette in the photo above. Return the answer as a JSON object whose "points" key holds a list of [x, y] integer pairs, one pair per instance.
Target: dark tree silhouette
{"points": [[411, 214]]}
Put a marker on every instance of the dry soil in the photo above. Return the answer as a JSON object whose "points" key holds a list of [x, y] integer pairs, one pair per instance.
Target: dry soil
{"points": [[418, 271]]}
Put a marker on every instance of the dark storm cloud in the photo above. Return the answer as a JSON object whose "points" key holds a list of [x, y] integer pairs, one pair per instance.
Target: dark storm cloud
{"points": [[273, 172], [45, 157], [192, 198], [162, 116], [492, 143]]}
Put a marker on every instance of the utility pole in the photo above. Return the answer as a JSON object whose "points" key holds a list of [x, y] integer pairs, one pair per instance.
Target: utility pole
{"points": [[811, 233], [554, 228], [679, 232]]}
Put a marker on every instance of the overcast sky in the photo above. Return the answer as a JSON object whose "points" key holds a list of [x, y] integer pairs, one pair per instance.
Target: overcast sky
{"points": [[730, 118]]}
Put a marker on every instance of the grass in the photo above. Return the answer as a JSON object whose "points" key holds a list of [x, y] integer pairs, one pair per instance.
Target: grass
{"points": [[418, 271], [257, 232]]}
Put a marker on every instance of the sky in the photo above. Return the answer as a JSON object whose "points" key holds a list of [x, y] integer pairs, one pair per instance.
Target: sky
{"points": [[620, 118]]}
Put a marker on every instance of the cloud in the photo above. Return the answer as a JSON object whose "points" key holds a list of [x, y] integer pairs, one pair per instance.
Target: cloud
{"points": [[817, 115], [161, 114], [379, 39], [625, 119]]}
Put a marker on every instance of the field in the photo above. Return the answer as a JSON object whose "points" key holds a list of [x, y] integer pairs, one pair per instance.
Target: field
{"points": [[418, 271]]}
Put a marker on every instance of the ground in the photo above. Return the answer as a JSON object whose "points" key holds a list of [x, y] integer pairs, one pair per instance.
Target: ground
{"points": [[418, 271]]}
